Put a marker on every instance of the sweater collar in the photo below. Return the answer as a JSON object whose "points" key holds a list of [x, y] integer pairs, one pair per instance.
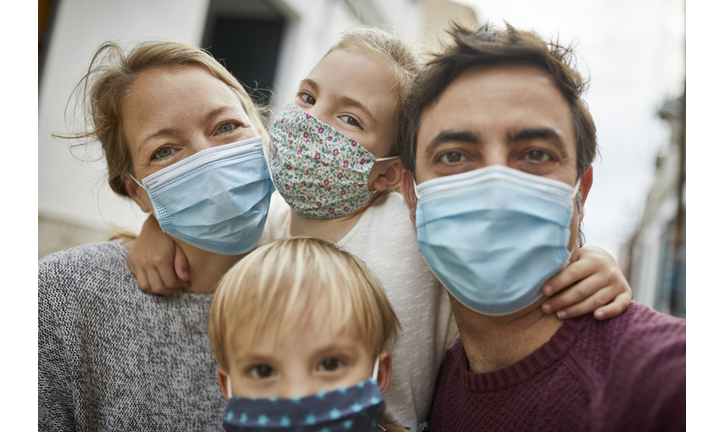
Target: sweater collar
{"points": [[542, 358]]}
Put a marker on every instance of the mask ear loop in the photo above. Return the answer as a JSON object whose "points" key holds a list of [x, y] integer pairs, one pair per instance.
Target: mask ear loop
{"points": [[228, 387], [382, 159], [376, 369], [137, 182]]}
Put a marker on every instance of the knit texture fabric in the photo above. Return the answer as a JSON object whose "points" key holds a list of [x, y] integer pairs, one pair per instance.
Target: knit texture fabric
{"points": [[113, 358], [623, 374]]}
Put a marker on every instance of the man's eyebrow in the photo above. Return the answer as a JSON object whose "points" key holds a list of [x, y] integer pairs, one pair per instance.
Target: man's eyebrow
{"points": [[445, 137], [546, 134]]}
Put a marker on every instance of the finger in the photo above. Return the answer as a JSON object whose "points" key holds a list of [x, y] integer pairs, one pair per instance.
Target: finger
{"points": [[168, 277], [613, 309], [181, 264], [575, 294], [597, 300], [154, 280], [143, 281], [571, 274]]}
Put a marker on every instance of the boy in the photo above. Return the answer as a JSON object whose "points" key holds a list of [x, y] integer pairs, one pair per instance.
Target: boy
{"points": [[298, 328]]}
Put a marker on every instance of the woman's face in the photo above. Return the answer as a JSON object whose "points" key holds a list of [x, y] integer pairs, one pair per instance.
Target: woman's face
{"points": [[172, 112]]}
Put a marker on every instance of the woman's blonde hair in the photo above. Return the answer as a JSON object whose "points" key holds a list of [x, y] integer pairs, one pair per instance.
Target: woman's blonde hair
{"points": [[281, 284], [103, 89]]}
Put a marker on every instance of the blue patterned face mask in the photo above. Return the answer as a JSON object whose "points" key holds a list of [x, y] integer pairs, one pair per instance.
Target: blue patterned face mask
{"points": [[216, 199], [493, 236], [355, 408]]}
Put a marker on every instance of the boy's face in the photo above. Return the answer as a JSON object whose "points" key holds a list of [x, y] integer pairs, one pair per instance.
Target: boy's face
{"points": [[307, 360]]}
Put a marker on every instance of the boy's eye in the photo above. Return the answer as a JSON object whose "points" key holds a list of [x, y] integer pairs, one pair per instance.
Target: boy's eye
{"points": [[162, 153], [307, 98], [262, 371], [350, 120], [330, 364]]}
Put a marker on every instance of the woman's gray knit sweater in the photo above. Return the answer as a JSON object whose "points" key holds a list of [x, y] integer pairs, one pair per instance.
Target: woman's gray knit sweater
{"points": [[113, 358]]}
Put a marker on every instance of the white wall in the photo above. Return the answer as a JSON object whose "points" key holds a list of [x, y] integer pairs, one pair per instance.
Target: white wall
{"points": [[69, 189]]}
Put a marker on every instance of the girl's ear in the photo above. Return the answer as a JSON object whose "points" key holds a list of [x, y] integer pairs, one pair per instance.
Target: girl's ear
{"points": [[383, 374], [408, 190], [386, 175], [223, 380]]}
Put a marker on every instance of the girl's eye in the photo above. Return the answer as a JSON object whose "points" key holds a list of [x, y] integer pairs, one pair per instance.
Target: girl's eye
{"points": [[452, 158], [330, 364], [538, 156], [262, 371], [228, 127], [350, 120], [307, 98], [162, 153]]}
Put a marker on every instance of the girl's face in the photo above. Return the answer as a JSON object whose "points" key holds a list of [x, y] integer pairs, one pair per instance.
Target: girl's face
{"points": [[353, 93], [171, 113]]}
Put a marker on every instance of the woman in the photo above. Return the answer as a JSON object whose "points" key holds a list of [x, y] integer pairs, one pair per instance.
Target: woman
{"points": [[182, 139]]}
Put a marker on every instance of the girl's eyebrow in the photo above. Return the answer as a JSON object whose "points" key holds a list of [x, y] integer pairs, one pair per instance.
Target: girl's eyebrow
{"points": [[311, 83], [343, 100]]}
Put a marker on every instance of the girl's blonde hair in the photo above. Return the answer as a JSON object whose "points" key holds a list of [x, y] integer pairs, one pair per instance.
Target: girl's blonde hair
{"points": [[281, 284], [103, 89]]}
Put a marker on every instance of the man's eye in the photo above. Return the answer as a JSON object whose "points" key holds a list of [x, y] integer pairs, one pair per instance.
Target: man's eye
{"points": [[307, 98], [163, 153], [228, 127], [350, 120], [262, 371], [330, 364], [538, 156], [452, 158]]}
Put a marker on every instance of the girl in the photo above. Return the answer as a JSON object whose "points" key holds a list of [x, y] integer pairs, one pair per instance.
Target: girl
{"points": [[339, 188]]}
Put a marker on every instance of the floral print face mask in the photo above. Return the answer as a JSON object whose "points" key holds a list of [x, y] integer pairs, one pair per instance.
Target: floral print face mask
{"points": [[319, 172]]}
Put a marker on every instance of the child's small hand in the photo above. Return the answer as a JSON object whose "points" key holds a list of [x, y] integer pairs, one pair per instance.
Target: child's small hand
{"points": [[596, 284], [159, 265]]}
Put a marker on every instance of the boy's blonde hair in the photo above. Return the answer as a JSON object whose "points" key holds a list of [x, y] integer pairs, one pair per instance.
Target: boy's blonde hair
{"points": [[281, 284]]}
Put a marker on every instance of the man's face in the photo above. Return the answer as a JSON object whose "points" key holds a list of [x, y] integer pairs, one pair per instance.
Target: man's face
{"points": [[509, 115]]}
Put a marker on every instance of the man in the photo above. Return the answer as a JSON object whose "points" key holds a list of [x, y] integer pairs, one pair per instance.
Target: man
{"points": [[500, 146]]}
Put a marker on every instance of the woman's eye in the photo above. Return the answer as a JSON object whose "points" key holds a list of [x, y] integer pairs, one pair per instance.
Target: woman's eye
{"points": [[162, 153], [228, 127], [262, 371], [538, 156], [452, 158], [350, 120], [307, 98], [330, 364]]}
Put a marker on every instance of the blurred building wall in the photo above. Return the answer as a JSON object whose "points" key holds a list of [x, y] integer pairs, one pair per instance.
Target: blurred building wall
{"points": [[75, 205], [654, 259]]}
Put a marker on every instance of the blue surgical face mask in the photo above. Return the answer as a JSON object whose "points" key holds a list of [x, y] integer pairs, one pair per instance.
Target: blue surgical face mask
{"points": [[216, 199], [355, 408], [494, 236]]}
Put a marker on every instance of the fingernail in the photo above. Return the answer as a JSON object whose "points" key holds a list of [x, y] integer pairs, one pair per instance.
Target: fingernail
{"points": [[546, 290], [562, 315], [546, 308]]}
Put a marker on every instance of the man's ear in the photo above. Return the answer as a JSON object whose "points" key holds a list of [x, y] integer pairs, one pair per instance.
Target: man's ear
{"points": [[408, 189], [385, 370], [386, 175], [223, 380], [584, 188], [132, 189]]}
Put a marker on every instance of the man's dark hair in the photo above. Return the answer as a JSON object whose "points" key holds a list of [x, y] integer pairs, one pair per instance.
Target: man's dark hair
{"points": [[489, 46]]}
